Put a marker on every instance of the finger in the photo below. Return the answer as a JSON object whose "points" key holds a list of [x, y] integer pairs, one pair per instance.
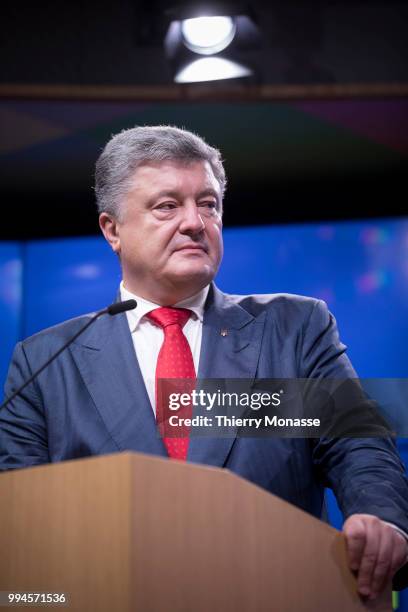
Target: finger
{"points": [[369, 557], [382, 569], [355, 533]]}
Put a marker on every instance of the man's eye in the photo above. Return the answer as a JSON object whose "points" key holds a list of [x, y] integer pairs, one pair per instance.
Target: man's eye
{"points": [[166, 206], [208, 204]]}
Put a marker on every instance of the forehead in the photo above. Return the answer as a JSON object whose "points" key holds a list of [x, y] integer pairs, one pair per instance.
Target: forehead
{"points": [[174, 175]]}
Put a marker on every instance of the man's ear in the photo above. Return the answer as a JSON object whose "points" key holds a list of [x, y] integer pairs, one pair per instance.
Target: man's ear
{"points": [[110, 229]]}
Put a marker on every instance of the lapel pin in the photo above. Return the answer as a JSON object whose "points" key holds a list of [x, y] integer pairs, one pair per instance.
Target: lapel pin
{"points": [[224, 332]]}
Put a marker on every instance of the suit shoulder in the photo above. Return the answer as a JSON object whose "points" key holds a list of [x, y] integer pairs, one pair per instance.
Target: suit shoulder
{"points": [[61, 331], [279, 304]]}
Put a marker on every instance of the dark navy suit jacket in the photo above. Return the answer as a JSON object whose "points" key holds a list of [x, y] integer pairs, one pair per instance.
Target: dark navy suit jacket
{"points": [[92, 400]]}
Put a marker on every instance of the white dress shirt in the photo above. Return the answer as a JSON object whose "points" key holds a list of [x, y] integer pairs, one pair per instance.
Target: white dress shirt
{"points": [[148, 337]]}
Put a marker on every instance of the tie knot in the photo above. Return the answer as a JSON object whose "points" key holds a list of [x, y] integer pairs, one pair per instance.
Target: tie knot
{"points": [[165, 316]]}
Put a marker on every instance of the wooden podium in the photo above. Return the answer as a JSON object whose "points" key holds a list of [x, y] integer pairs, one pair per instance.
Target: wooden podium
{"points": [[131, 532]]}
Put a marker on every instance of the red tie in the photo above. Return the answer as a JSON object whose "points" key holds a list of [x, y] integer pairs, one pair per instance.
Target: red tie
{"points": [[175, 360]]}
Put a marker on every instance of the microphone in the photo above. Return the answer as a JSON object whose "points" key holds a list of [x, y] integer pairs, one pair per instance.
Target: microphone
{"points": [[112, 310], [118, 307]]}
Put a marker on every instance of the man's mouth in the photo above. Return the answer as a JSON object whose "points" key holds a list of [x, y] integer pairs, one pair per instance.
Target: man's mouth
{"points": [[193, 247]]}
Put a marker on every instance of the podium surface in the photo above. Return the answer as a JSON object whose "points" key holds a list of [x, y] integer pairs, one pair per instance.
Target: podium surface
{"points": [[132, 532]]}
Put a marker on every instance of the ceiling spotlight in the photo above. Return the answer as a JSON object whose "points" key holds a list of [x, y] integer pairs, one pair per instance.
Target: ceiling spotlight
{"points": [[211, 69], [229, 43], [208, 35]]}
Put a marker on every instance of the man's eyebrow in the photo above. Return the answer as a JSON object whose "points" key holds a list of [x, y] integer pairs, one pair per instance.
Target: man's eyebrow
{"points": [[164, 193], [208, 192], [172, 193]]}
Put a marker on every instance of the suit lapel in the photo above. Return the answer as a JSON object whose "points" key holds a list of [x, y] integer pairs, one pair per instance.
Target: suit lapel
{"points": [[106, 359], [230, 348]]}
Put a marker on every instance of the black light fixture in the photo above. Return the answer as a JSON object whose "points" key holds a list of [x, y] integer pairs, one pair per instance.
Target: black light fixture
{"points": [[211, 42]]}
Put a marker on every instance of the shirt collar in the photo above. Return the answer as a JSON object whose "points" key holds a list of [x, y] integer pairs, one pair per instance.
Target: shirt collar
{"points": [[195, 303]]}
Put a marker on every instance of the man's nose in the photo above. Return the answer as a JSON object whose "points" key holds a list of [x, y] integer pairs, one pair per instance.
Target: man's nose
{"points": [[191, 221]]}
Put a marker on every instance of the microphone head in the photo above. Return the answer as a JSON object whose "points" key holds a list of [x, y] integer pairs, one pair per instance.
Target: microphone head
{"points": [[119, 307]]}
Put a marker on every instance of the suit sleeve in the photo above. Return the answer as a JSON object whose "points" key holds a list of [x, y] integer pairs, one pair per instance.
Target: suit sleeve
{"points": [[366, 474], [23, 431]]}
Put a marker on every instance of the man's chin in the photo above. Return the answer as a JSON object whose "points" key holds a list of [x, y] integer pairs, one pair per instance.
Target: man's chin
{"points": [[196, 274]]}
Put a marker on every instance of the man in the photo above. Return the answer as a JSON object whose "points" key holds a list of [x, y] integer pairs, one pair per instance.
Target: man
{"points": [[159, 192]]}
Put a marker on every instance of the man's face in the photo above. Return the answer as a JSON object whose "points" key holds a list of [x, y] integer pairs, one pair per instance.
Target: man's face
{"points": [[169, 236]]}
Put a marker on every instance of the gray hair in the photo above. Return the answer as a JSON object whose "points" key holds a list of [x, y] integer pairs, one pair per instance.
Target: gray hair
{"points": [[131, 148]]}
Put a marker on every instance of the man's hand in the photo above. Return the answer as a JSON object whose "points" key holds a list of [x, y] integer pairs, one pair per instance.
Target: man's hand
{"points": [[375, 550]]}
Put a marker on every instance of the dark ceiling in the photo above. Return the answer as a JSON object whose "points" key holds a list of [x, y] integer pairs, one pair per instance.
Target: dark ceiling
{"points": [[74, 73], [117, 43]]}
